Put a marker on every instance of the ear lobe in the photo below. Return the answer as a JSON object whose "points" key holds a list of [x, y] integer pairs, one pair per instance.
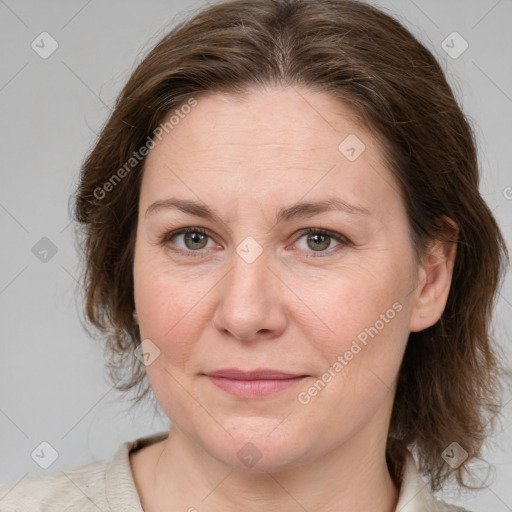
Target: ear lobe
{"points": [[434, 278]]}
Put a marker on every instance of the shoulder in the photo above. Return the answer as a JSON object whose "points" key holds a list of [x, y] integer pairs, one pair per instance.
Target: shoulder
{"points": [[442, 506], [416, 496], [102, 485], [77, 488]]}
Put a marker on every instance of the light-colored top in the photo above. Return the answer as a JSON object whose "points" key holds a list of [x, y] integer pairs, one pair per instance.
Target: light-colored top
{"points": [[108, 486]]}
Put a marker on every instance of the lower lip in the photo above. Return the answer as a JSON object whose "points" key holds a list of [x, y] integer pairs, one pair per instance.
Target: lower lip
{"points": [[254, 388]]}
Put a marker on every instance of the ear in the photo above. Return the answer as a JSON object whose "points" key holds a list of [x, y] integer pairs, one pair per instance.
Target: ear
{"points": [[434, 278]]}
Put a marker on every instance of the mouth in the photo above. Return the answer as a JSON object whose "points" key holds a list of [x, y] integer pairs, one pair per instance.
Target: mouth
{"points": [[254, 383]]}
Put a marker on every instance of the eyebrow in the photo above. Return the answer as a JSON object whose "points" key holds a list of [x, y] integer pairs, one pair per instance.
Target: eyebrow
{"points": [[304, 209]]}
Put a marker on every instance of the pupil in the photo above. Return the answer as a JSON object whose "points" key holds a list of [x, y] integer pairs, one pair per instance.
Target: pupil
{"points": [[194, 238], [320, 241]]}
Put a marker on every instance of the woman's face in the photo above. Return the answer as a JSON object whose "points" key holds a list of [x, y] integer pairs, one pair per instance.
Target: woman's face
{"points": [[249, 289]]}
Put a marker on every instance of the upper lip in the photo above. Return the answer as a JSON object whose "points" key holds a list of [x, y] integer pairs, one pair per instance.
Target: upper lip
{"points": [[259, 374]]}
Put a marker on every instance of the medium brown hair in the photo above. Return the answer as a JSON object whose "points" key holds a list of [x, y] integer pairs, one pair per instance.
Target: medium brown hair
{"points": [[448, 387]]}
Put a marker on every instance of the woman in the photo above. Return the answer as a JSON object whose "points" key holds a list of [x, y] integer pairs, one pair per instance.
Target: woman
{"points": [[282, 224]]}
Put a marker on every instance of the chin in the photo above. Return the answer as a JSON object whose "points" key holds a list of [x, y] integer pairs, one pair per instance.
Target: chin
{"points": [[258, 445]]}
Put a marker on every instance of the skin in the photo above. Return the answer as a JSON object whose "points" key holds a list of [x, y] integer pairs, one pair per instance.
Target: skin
{"points": [[296, 308]]}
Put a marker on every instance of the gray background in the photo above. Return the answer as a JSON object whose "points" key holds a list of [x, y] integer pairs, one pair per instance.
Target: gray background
{"points": [[52, 381]]}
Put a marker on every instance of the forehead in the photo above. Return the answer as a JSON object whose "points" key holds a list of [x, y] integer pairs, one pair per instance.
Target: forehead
{"points": [[299, 118], [268, 143]]}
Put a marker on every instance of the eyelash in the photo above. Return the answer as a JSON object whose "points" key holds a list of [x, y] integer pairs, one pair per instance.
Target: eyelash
{"points": [[343, 241]]}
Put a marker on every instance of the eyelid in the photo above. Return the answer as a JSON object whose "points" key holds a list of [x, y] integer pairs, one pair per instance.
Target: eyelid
{"points": [[167, 236], [341, 239]]}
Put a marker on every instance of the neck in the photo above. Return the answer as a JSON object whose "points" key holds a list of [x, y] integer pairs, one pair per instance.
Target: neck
{"points": [[354, 477]]}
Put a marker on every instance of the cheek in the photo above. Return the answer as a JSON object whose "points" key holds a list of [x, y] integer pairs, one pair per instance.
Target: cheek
{"points": [[331, 308], [367, 317], [171, 310], [353, 304], [168, 310], [367, 333]]}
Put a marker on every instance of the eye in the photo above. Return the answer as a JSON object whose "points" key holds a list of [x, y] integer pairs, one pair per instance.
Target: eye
{"points": [[193, 239], [319, 240]]}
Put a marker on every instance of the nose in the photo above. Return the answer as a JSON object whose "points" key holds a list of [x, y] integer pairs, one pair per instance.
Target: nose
{"points": [[251, 303]]}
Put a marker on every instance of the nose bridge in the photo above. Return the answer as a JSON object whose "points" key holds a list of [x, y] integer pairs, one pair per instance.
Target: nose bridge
{"points": [[249, 278], [250, 301]]}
